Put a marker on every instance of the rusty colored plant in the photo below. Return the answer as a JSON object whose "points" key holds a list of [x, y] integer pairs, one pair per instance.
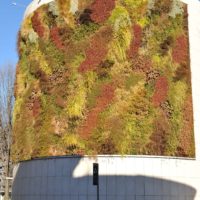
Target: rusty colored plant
{"points": [[97, 50], [37, 24], [55, 37], [101, 10], [102, 101], [136, 41], [161, 90], [180, 51]]}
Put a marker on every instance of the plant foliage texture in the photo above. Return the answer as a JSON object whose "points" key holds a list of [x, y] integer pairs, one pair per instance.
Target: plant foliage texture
{"points": [[104, 77]]}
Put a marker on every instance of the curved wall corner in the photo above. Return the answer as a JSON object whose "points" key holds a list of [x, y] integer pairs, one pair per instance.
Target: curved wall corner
{"points": [[194, 39], [130, 178], [34, 5]]}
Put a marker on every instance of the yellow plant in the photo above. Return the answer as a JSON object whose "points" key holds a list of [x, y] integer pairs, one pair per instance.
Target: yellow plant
{"points": [[76, 101], [65, 7], [17, 108], [26, 26], [72, 142], [121, 23], [38, 55]]}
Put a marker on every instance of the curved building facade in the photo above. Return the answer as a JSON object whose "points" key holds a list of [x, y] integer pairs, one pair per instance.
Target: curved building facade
{"points": [[115, 77], [128, 177]]}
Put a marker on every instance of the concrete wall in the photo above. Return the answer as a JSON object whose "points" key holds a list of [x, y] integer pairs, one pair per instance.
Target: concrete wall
{"points": [[121, 178], [194, 38]]}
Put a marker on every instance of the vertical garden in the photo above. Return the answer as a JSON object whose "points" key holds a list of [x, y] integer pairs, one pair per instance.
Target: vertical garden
{"points": [[104, 77]]}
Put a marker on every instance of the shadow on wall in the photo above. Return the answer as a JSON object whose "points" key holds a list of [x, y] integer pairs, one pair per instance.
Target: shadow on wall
{"points": [[52, 179]]}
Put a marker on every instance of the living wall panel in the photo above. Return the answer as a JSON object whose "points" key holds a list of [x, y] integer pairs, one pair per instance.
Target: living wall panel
{"points": [[104, 77]]}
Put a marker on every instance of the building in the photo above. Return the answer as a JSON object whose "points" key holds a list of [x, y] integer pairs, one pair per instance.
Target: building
{"points": [[103, 79]]}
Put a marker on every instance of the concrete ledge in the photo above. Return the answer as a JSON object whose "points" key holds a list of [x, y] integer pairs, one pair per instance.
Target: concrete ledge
{"points": [[109, 156]]}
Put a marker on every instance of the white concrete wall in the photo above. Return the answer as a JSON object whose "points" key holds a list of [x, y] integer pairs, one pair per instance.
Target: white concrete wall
{"points": [[121, 178], [194, 38], [37, 3]]}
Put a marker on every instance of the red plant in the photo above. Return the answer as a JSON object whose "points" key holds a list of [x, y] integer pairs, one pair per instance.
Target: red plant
{"points": [[186, 135], [55, 37], [36, 108], [101, 10], [180, 51], [159, 136], [103, 100], [136, 41], [37, 25], [97, 50], [161, 90]]}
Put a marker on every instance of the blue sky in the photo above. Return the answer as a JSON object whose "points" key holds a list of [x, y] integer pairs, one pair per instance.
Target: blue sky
{"points": [[10, 21]]}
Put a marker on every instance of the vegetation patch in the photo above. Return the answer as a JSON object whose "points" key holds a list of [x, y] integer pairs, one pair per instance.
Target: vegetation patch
{"points": [[105, 6], [104, 77], [37, 24], [161, 90]]}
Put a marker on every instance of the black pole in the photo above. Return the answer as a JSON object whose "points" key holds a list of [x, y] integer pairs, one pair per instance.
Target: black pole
{"points": [[98, 192], [96, 177]]}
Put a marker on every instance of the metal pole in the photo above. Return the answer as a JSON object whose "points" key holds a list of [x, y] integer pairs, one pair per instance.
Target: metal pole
{"points": [[98, 192], [96, 177]]}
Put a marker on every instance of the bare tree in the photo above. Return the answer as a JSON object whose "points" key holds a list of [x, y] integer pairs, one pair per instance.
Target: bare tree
{"points": [[7, 74]]}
